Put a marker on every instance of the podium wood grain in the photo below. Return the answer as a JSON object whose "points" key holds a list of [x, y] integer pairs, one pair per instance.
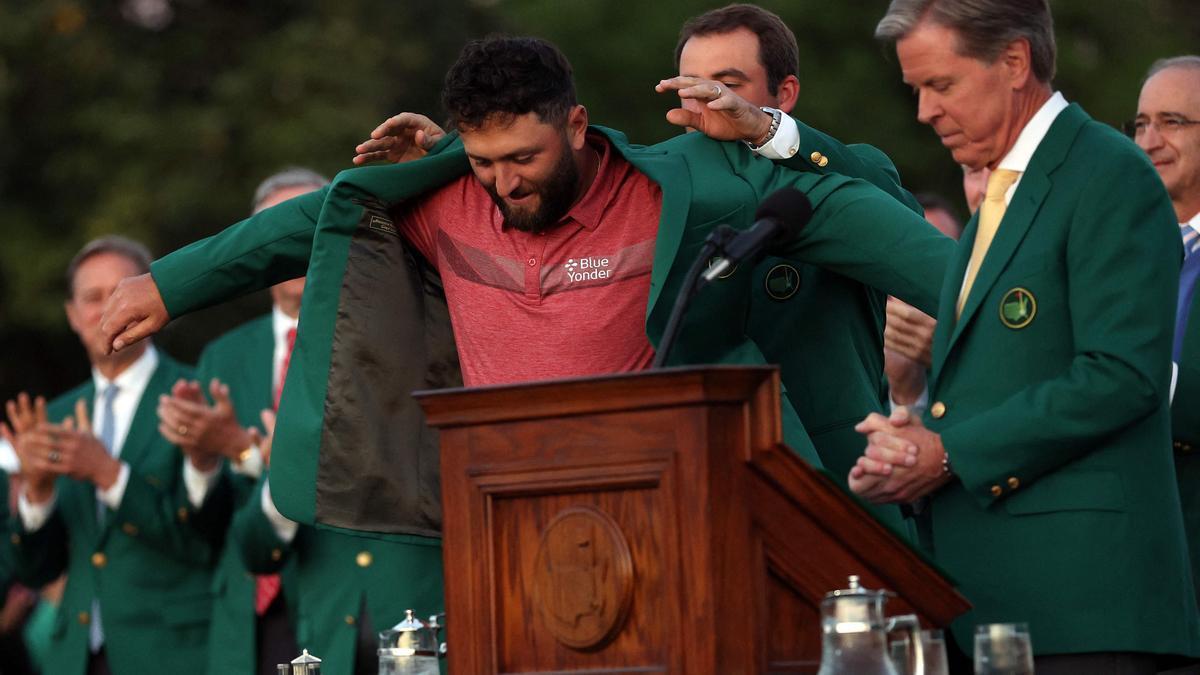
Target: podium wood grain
{"points": [[648, 523]]}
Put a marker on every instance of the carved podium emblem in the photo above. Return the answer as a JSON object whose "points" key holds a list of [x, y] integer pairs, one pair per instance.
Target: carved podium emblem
{"points": [[583, 579]]}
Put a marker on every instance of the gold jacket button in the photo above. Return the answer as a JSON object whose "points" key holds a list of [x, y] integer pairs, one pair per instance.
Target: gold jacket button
{"points": [[363, 559], [182, 513], [1177, 445], [84, 618], [937, 410], [349, 620], [997, 490], [1014, 483], [823, 162], [129, 529], [16, 539], [276, 554], [816, 158], [99, 559]]}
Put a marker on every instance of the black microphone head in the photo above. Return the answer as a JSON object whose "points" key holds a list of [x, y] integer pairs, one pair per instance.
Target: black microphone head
{"points": [[789, 206]]}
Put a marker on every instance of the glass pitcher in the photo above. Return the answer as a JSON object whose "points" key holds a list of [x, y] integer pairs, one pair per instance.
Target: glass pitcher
{"points": [[408, 648], [855, 634]]}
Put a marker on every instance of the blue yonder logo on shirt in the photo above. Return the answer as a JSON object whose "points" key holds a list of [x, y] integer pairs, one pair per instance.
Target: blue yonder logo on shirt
{"points": [[588, 269]]}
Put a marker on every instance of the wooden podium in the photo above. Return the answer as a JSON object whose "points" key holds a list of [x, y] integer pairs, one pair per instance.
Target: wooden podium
{"points": [[648, 523]]}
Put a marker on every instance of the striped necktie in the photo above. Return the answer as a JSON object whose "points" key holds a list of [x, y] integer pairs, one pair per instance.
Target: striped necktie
{"points": [[991, 212], [1191, 239]]}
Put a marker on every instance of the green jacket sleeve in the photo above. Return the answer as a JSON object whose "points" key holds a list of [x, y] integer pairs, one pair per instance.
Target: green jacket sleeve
{"points": [[262, 551], [271, 246], [857, 160], [6, 554], [39, 557], [1120, 371], [862, 233]]}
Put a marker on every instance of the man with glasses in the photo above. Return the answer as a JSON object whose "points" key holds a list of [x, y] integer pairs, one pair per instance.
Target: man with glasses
{"points": [[1167, 128]]}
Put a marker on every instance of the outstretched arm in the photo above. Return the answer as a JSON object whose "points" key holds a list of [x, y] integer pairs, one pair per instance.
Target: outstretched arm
{"points": [[271, 246]]}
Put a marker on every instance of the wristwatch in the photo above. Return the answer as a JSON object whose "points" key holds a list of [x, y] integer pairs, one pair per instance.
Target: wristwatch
{"points": [[776, 118]]}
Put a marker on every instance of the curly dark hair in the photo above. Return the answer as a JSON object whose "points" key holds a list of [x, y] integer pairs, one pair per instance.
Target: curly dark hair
{"points": [[508, 76]]}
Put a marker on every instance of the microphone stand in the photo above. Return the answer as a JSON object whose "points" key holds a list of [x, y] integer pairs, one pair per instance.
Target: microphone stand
{"points": [[715, 243]]}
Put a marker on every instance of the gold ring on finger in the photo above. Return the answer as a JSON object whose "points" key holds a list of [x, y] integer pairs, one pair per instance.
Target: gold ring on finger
{"points": [[182, 430], [54, 456]]}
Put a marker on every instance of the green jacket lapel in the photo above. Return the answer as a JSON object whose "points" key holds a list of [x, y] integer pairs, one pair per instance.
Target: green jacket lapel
{"points": [[1026, 201], [671, 174], [144, 426], [260, 389]]}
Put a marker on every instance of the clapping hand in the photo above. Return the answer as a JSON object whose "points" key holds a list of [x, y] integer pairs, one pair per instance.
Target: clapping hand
{"points": [[67, 449], [909, 332], [25, 415], [204, 433]]}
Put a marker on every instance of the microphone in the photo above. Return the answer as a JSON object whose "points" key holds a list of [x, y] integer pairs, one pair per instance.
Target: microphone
{"points": [[778, 218]]}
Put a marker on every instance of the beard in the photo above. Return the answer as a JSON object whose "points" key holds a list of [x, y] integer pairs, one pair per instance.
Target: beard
{"points": [[555, 196]]}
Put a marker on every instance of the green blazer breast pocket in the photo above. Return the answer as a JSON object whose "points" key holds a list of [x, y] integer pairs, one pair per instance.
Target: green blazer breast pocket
{"points": [[1077, 490]]}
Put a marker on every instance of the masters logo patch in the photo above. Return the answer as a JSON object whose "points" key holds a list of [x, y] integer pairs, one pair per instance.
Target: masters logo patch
{"points": [[1017, 308], [782, 282]]}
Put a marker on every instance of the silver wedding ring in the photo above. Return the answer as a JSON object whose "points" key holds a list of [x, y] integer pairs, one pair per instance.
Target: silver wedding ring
{"points": [[718, 91], [182, 430], [54, 457]]}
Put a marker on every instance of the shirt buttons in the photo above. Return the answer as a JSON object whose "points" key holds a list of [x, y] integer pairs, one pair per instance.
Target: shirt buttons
{"points": [[532, 262]]}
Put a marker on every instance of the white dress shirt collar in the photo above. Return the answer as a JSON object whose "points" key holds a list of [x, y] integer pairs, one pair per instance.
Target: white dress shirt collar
{"points": [[132, 384], [1194, 223], [280, 325], [1031, 136]]}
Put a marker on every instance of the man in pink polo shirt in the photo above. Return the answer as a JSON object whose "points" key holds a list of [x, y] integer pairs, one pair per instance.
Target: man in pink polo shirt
{"points": [[561, 248]]}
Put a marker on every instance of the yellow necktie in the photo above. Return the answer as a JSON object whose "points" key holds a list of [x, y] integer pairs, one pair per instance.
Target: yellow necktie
{"points": [[991, 212]]}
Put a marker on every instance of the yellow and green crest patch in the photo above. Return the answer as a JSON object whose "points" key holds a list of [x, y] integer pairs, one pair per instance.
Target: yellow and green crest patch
{"points": [[1017, 308]]}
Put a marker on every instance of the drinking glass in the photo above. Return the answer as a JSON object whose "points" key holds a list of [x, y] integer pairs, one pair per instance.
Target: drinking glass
{"points": [[933, 645], [1003, 649]]}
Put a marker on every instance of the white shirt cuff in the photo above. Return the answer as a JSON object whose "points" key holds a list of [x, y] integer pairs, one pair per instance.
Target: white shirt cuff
{"points": [[115, 492], [34, 516], [198, 482], [9, 462], [1174, 381], [786, 142], [252, 466], [284, 529]]}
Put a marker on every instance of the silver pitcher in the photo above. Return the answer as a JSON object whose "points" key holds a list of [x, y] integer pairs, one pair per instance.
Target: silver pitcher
{"points": [[855, 634], [409, 648]]}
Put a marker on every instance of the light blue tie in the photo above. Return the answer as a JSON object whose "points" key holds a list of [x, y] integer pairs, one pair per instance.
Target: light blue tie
{"points": [[108, 422], [1191, 239]]}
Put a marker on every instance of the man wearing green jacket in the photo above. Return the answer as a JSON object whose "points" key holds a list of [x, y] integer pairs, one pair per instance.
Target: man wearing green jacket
{"points": [[107, 500], [533, 158], [252, 623], [1045, 455], [836, 379]]}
